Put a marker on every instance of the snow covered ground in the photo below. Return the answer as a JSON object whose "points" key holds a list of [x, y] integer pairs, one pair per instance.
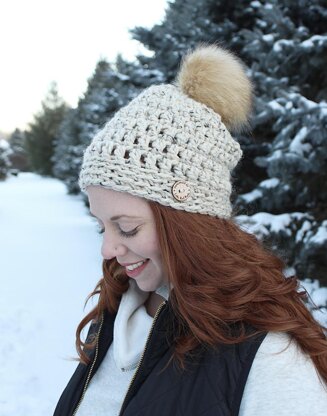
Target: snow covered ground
{"points": [[50, 260]]}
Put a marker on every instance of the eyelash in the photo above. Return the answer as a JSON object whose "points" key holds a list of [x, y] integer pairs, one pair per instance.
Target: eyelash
{"points": [[122, 233]]}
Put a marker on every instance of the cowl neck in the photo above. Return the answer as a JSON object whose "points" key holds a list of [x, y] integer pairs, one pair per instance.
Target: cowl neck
{"points": [[132, 325]]}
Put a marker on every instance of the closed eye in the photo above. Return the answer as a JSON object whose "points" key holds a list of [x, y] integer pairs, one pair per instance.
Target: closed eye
{"points": [[122, 233], [129, 233]]}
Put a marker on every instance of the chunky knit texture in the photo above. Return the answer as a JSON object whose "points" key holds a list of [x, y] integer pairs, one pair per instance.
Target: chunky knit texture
{"points": [[162, 137]]}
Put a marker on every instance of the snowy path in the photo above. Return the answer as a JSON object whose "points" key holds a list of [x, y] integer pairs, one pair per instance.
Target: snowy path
{"points": [[50, 261]]}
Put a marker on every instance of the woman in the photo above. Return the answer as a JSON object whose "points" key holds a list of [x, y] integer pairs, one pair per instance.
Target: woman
{"points": [[194, 316]]}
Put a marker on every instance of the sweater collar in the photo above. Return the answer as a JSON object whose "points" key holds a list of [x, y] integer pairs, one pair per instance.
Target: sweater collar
{"points": [[132, 325]]}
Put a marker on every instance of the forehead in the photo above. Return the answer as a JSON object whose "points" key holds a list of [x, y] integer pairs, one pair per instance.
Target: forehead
{"points": [[107, 202]]}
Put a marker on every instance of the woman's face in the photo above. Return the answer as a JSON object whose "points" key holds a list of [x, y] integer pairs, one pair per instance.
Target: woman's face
{"points": [[129, 234]]}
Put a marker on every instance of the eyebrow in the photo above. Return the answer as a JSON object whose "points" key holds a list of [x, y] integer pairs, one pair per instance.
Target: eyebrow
{"points": [[115, 217]]}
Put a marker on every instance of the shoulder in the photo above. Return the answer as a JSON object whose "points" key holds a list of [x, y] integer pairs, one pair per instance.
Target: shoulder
{"points": [[283, 380]]}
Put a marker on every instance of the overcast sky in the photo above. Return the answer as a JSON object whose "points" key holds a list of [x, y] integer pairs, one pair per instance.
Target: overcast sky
{"points": [[61, 40]]}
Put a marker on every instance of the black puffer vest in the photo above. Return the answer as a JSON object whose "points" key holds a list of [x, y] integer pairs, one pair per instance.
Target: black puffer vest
{"points": [[211, 385]]}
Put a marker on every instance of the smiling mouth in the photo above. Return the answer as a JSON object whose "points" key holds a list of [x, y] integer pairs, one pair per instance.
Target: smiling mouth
{"points": [[132, 270], [135, 265]]}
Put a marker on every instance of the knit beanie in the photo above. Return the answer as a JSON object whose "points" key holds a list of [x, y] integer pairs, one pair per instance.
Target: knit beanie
{"points": [[172, 143]]}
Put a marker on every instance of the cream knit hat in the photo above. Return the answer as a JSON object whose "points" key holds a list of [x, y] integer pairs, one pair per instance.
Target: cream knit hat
{"points": [[171, 144]]}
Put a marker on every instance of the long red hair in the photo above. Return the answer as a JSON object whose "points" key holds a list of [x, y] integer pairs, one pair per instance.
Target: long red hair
{"points": [[221, 275]]}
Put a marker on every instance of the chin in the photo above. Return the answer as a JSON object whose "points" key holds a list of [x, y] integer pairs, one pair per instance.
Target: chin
{"points": [[147, 286]]}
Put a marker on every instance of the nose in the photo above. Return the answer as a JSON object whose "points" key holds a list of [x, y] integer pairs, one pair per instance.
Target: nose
{"points": [[112, 247]]}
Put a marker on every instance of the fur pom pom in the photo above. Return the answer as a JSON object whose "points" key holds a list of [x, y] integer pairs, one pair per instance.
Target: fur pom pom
{"points": [[215, 77]]}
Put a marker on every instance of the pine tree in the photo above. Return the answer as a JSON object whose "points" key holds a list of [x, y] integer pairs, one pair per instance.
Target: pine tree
{"points": [[5, 164], [110, 87], [288, 58], [18, 157], [99, 103], [67, 156], [41, 134], [186, 23]]}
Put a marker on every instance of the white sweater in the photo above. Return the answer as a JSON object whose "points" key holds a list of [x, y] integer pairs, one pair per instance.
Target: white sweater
{"points": [[282, 381]]}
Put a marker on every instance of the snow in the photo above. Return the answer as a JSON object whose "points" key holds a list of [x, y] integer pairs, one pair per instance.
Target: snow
{"points": [[278, 46], [320, 315], [269, 183], [297, 145], [268, 38], [251, 196], [50, 261], [289, 105], [303, 102], [255, 4], [310, 286], [321, 235], [122, 77], [264, 223], [4, 144], [318, 297], [316, 40], [274, 105], [303, 231], [277, 154]]}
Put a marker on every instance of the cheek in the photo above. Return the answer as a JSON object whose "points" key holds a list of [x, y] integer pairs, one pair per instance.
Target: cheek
{"points": [[152, 248], [152, 240], [155, 244]]}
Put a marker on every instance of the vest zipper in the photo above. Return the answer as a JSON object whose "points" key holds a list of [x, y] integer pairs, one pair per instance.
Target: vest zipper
{"points": [[92, 366], [142, 356]]}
